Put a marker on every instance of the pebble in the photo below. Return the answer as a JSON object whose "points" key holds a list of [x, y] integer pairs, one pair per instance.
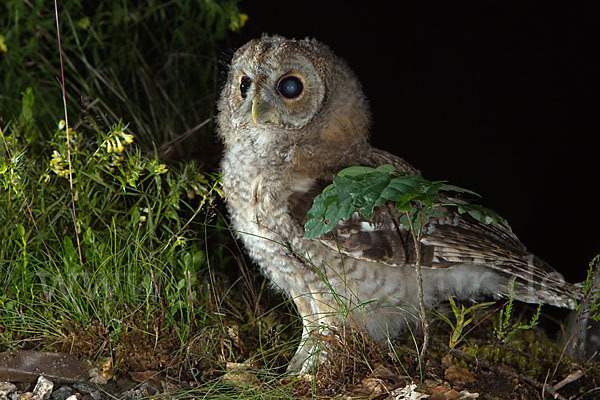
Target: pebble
{"points": [[84, 388], [43, 388], [62, 393], [6, 388]]}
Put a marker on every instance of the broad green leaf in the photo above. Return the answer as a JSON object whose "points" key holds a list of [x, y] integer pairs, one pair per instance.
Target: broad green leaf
{"points": [[364, 188], [386, 168], [406, 185], [355, 171]]}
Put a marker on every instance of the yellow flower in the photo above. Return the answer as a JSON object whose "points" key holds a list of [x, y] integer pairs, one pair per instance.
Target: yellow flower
{"points": [[126, 137], [56, 158], [119, 147], [3, 47]]}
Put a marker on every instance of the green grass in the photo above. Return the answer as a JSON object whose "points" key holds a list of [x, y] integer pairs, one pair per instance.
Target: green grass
{"points": [[153, 63]]}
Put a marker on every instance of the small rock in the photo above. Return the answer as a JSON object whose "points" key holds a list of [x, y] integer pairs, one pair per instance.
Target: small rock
{"points": [[97, 395], [72, 397], [458, 375], [43, 388], [148, 389], [7, 387], [23, 396], [62, 393], [84, 388]]}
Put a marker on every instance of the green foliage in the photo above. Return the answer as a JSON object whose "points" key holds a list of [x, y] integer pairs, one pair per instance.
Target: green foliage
{"points": [[364, 188], [130, 60], [132, 238], [506, 329], [591, 292], [463, 317]]}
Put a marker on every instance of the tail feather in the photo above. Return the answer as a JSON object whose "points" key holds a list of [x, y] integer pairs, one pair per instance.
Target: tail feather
{"points": [[558, 294]]}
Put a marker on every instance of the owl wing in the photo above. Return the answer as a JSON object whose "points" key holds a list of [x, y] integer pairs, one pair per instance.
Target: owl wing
{"points": [[448, 241]]}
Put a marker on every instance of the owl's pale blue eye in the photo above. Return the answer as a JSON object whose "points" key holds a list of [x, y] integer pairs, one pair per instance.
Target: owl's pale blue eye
{"points": [[290, 87], [245, 83]]}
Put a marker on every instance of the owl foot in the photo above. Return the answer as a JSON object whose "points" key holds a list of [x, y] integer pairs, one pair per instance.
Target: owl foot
{"points": [[311, 353]]}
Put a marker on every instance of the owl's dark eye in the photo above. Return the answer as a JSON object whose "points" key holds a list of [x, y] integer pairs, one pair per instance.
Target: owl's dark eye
{"points": [[245, 83], [290, 87]]}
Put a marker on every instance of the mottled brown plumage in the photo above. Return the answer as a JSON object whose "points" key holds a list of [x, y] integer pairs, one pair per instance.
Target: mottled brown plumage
{"points": [[291, 116]]}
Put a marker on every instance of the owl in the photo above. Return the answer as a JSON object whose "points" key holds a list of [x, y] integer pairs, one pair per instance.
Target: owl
{"points": [[291, 116]]}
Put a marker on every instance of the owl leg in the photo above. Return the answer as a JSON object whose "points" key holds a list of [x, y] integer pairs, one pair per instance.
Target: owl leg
{"points": [[317, 321]]}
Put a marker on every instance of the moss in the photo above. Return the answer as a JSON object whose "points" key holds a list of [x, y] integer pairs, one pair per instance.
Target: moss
{"points": [[529, 352]]}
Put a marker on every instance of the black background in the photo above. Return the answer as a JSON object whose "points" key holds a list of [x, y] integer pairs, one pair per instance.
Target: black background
{"points": [[498, 98]]}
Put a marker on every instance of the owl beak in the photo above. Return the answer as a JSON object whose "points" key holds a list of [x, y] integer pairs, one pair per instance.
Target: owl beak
{"points": [[255, 109], [260, 109]]}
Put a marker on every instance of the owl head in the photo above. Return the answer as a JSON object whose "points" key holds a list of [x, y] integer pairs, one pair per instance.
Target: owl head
{"points": [[290, 92]]}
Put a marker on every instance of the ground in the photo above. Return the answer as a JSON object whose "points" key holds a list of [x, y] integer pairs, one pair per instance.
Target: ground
{"points": [[248, 359]]}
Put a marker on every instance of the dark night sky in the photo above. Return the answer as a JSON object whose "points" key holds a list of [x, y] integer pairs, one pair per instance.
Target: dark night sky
{"points": [[497, 98]]}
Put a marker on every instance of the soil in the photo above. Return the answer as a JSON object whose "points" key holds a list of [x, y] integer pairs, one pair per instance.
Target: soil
{"points": [[254, 353]]}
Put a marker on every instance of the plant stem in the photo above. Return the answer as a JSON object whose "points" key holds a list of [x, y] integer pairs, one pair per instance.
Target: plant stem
{"points": [[417, 242], [64, 97]]}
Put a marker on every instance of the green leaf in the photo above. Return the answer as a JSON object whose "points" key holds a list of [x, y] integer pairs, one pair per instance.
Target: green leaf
{"points": [[364, 188], [27, 102], [68, 247], [482, 214], [367, 194], [21, 230], [325, 213], [389, 168], [451, 188], [405, 185], [355, 171]]}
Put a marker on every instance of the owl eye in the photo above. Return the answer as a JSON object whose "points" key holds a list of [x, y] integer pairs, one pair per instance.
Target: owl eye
{"points": [[245, 83], [290, 87]]}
